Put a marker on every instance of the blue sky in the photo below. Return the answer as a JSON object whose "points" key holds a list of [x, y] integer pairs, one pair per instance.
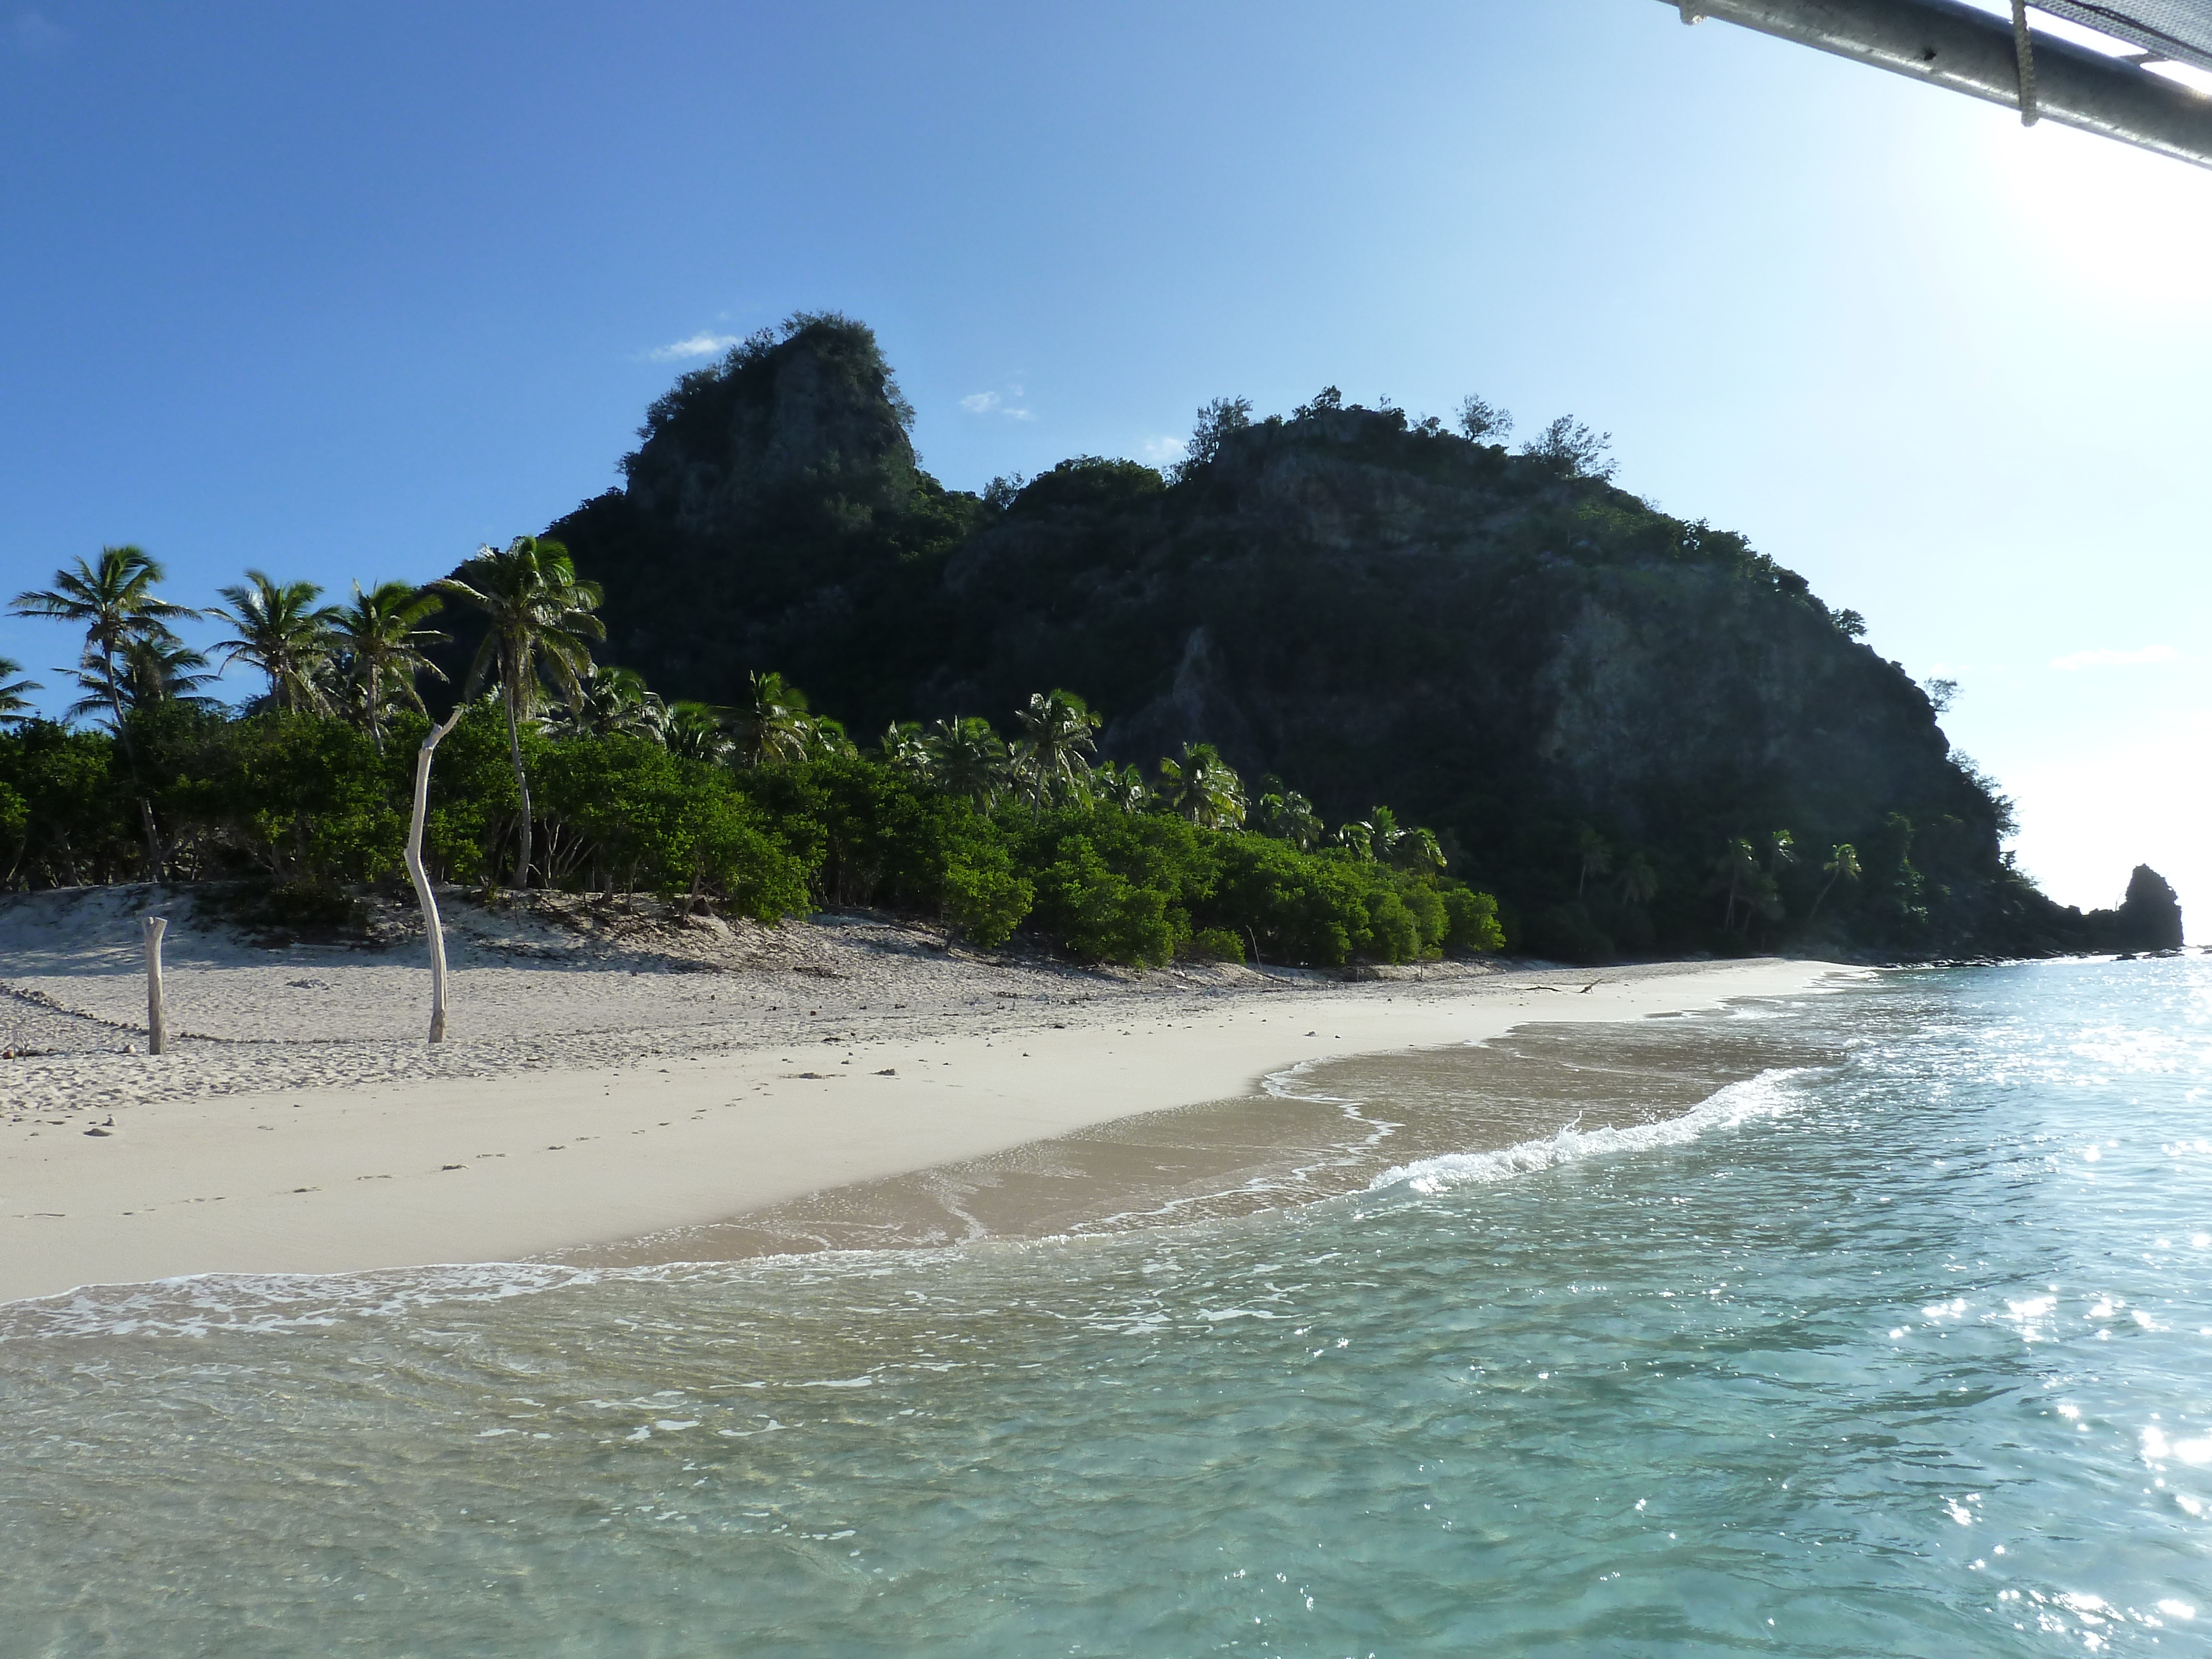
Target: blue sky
{"points": [[345, 292]]}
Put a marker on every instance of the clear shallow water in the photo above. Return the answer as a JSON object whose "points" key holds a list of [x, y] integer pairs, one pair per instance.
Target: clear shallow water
{"points": [[1906, 1353]]}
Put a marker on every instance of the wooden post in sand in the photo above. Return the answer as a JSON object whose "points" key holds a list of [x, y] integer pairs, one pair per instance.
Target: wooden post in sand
{"points": [[157, 1025], [428, 900]]}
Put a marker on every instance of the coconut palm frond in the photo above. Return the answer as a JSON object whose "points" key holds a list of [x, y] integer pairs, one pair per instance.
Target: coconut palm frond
{"points": [[113, 599], [1052, 760], [543, 628], [283, 632], [1203, 787], [1288, 816], [14, 705], [967, 758], [381, 650], [773, 723]]}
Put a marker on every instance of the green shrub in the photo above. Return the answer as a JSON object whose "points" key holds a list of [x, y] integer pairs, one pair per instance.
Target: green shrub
{"points": [[1431, 920], [78, 825], [308, 803], [1473, 923], [1214, 945], [734, 856], [986, 901], [1392, 933], [1102, 916], [306, 798], [469, 834], [619, 809]]}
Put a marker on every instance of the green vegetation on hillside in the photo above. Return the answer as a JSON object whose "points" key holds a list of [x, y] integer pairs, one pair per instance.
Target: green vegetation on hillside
{"points": [[578, 777], [1607, 714], [1642, 735]]}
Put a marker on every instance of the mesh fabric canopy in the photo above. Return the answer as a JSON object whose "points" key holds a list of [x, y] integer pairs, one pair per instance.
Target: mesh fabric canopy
{"points": [[2179, 29]]}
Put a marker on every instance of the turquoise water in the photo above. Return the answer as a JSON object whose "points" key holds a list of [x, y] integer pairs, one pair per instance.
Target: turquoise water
{"points": [[1909, 1354]]}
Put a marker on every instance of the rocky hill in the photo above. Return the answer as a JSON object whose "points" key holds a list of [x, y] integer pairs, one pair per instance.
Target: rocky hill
{"points": [[1608, 713]]}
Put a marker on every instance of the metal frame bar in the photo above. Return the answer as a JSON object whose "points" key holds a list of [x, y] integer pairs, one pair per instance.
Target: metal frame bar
{"points": [[1962, 50]]}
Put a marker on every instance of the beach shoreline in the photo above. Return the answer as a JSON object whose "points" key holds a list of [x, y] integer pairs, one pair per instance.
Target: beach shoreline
{"points": [[260, 1151]]}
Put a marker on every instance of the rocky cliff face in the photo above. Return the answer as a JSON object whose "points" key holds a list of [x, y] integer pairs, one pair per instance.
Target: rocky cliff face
{"points": [[1563, 681], [764, 490], [2148, 918]]}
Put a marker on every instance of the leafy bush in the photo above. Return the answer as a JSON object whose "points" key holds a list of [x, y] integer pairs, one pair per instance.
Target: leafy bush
{"points": [[1092, 912], [1214, 945], [307, 805], [987, 901], [1472, 922], [306, 800], [75, 825], [470, 831], [622, 808]]}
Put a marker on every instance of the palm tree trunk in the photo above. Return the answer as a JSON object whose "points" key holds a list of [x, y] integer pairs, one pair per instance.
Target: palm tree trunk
{"points": [[1820, 897], [154, 871], [155, 868], [522, 788]]}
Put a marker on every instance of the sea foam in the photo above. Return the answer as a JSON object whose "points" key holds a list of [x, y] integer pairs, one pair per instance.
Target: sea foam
{"points": [[1768, 1094]]}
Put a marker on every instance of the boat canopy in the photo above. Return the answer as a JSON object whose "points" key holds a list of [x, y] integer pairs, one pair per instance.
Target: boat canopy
{"points": [[2137, 70]]}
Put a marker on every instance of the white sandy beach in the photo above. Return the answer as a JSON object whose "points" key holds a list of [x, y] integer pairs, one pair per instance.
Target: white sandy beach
{"points": [[604, 1084]]}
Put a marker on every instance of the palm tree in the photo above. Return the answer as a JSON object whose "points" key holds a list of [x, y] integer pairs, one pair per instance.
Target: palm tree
{"points": [[1126, 789], [541, 627], [1052, 757], [1288, 816], [381, 643], [1843, 865], [1639, 882], [966, 757], [772, 724], [904, 749], [826, 740], [694, 732], [1203, 787], [1782, 852], [1596, 857], [1416, 850], [1738, 865], [1356, 837], [281, 632], [155, 672], [612, 700], [14, 706], [115, 602]]}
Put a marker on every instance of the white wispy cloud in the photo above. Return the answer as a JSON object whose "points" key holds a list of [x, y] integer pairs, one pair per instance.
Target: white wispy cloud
{"points": [[992, 402], [1163, 451], [699, 345], [2148, 655]]}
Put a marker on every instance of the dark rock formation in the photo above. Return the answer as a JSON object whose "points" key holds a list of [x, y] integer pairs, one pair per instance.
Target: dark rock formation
{"points": [[772, 499], [2148, 918], [1521, 655]]}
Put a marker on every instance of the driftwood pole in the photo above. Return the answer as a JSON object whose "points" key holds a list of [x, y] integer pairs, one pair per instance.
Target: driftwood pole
{"points": [[157, 1025], [431, 926]]}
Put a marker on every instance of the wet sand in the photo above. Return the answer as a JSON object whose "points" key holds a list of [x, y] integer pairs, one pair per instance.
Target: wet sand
{"points": [[1313, 1131], [844, 1083]]}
